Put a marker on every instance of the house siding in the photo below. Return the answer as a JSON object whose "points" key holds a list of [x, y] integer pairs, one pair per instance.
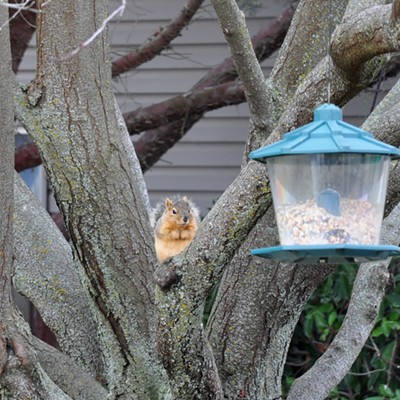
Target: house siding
{"points": [[208, 158]]}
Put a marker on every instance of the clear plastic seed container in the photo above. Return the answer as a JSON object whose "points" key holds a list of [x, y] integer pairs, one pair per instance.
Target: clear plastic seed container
{"points": [[331, 198]]}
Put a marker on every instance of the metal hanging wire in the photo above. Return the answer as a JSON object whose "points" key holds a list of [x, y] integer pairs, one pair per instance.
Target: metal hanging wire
{"points": [[328, 50]]}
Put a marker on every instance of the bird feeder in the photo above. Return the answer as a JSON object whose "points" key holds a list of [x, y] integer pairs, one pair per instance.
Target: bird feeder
{"points": [[328, 181]]}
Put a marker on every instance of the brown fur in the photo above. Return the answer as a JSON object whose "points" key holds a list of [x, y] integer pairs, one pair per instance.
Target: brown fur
{"points": [[176, 227]]}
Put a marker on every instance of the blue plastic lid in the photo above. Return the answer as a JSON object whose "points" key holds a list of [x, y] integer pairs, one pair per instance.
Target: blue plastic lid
{"points": [[328, 133]]}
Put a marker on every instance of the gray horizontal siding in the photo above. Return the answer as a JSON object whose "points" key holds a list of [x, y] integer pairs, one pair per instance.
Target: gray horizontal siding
{"points": [[208, 158]]}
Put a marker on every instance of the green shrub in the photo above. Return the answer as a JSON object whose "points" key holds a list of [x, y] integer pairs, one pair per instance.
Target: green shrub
{"points": [[375, 375]]}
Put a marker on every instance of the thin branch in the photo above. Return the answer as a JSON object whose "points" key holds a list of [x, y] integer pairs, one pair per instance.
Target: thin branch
{"points": [[234, 27], [19, 7], [158, 42]]}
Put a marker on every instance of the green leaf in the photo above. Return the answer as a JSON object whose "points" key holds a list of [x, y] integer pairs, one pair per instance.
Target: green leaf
{"points": [[324, 334], [332, 318], [386, 328], [377, 332], [385, 390], [375, 398], [308, 326]]}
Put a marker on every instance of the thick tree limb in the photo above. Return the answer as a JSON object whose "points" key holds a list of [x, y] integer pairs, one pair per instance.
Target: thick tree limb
{"points": [[65, 373], [195, 283], [365, 35], [254, 314], [160, 40], [306, 43], [89, 160], [21, 376], [47, 275], [6, 170], [24, 377]]}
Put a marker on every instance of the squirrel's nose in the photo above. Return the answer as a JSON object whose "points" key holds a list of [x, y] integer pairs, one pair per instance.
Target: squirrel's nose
{"points": [[185, 219]]}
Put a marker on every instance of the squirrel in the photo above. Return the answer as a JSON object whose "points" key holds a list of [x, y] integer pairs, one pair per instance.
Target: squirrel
{"points": [[175, 224]]}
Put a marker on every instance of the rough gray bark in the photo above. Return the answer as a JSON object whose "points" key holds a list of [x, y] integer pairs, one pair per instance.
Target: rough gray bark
{"points": [[149, 341], [67, 375], [46, 273], [89, 159], [21, 376], [235, 331]]}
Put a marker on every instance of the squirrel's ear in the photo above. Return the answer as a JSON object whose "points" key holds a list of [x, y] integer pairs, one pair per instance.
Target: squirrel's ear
{"points": [[185, 199], [168, 203]]}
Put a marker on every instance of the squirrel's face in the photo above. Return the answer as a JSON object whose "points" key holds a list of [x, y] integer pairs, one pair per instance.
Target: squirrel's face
{"points": [[179, 213], [179, 217]]}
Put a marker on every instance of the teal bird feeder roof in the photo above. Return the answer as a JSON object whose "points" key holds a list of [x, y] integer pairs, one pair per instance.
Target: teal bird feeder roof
{"points": [[328, 133], [323, 204]]}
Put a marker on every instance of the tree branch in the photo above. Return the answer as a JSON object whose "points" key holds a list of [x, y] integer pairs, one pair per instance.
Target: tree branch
{"points": [[365, 35], [233, 25], [44, 258], [65, 373], [89, 160], [160, 40], [154, 143], [250, 329], [196, 102], [333, 365], [21, 376], [306, 43], [6, 170]]}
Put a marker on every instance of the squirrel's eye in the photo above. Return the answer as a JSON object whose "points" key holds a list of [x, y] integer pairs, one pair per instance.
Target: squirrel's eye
{"points": [[173, 211]]}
